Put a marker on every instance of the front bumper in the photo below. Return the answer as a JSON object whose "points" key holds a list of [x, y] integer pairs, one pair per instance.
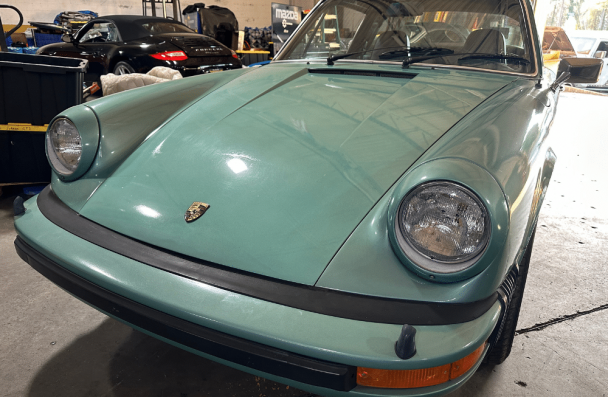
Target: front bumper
{"points": [[312, 351], [226, 347]]}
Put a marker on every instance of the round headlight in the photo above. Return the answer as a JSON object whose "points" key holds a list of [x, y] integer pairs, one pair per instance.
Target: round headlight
{"points": [[442, 227], [64, 146]]}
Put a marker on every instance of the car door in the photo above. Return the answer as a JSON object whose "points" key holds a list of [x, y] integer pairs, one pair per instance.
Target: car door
{"points": [[94, 42]]}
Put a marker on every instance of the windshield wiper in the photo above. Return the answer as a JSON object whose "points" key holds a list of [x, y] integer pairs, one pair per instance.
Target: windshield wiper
{"points": [[470, 55], [497, 56], [431, 50], [402, 51], [431, 54], [427, 51], [332, 58], [394, 54]]}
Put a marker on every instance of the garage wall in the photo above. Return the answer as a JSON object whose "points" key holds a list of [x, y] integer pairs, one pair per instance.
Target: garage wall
{"points": [[252, 13]]}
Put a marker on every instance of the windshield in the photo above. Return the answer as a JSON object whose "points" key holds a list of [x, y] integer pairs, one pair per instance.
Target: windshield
{"points": [[99, 32], [445, 29], [582, 44]]}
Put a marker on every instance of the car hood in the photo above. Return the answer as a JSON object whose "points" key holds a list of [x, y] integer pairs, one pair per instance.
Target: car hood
{"points": [[289, 159]]}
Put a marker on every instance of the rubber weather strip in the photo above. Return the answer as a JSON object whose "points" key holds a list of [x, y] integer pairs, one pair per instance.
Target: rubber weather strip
{"points": [[313, 299], [218, 344]]}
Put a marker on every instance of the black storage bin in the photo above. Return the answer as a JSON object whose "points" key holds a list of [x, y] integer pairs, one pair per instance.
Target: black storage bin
{"points": [[251, 57], [22, 157], [35, 88]]}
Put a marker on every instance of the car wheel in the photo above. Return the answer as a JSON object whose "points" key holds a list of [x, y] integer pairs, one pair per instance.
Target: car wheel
{"points": [[502, 348], [123, 68]]}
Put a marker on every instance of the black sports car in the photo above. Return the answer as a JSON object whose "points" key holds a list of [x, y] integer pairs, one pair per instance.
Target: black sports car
{"points": [[123, 44]]}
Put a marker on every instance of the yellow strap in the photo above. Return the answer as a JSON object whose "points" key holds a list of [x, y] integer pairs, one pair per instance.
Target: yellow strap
{"points": [[252, 52], [23, 127]]}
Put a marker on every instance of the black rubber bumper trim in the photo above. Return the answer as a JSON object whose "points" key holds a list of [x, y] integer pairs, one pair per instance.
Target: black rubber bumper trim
{"points": [[313, 299], [237, 350]]}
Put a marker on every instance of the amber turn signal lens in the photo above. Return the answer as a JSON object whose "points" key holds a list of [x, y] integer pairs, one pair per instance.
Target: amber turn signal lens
{"points": [[410, 378], [464, 364]]}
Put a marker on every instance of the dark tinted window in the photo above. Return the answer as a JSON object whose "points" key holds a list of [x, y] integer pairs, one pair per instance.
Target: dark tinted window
{"points": [[165, 27], [603, 46]]}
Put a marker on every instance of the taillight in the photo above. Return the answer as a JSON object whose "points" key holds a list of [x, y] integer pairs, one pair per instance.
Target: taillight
{"points": [[234, 54], [170, 56]]}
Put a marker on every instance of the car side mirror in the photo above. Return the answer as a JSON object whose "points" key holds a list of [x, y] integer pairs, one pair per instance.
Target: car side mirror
{"points": [[67, 38], [582, 70]]}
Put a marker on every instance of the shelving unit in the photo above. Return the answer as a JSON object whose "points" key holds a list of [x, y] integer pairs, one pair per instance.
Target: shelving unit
{"points": [[150, 5]]}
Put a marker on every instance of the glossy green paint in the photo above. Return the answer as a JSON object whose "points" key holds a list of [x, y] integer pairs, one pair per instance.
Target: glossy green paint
{"points": [[315, 335], [506, 136], [327, 160], [478, 181], [358, 391], [372, 253], [126, 120], [290, 162], [84, 120], [75, 193]]}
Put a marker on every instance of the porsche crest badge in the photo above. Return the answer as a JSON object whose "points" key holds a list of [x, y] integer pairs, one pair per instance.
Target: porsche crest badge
{"points": [[195, 211]]}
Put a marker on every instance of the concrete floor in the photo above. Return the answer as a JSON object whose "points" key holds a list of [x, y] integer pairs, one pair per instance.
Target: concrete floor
{"points": [[53, 345]]}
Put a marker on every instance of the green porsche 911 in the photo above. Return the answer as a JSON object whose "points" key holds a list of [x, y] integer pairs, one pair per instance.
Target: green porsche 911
{"points": [[355, 218]]}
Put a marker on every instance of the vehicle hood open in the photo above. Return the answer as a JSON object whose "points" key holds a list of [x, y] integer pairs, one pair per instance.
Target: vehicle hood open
{"points": [[290, 159]]}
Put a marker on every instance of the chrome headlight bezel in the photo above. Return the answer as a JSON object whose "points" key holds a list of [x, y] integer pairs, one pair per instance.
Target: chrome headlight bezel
{"points": [[479, 182], [424, 258], [85, 122], [57, 162]]}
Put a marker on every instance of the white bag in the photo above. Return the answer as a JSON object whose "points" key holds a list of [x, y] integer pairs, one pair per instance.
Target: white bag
{"points": [[112, 83]]}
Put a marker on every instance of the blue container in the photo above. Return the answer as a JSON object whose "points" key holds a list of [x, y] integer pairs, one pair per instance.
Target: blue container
{"points": [[44, 39], [30, 41], [30, 50], [17, 50], [33, 190], [259, 64], [193, 21]]}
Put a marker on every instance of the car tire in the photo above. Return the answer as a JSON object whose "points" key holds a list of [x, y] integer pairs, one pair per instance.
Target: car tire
{"points": [[502, 347], [123, 68]]}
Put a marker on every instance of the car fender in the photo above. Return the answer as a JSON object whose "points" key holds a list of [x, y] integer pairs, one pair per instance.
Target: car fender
{"points": [[505, 136], [122, 135], [508, 136]]}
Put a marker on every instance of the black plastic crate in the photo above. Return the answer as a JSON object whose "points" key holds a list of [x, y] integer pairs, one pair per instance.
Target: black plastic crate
{"points": [[251, 57], [35, 88], [22, 157]]}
